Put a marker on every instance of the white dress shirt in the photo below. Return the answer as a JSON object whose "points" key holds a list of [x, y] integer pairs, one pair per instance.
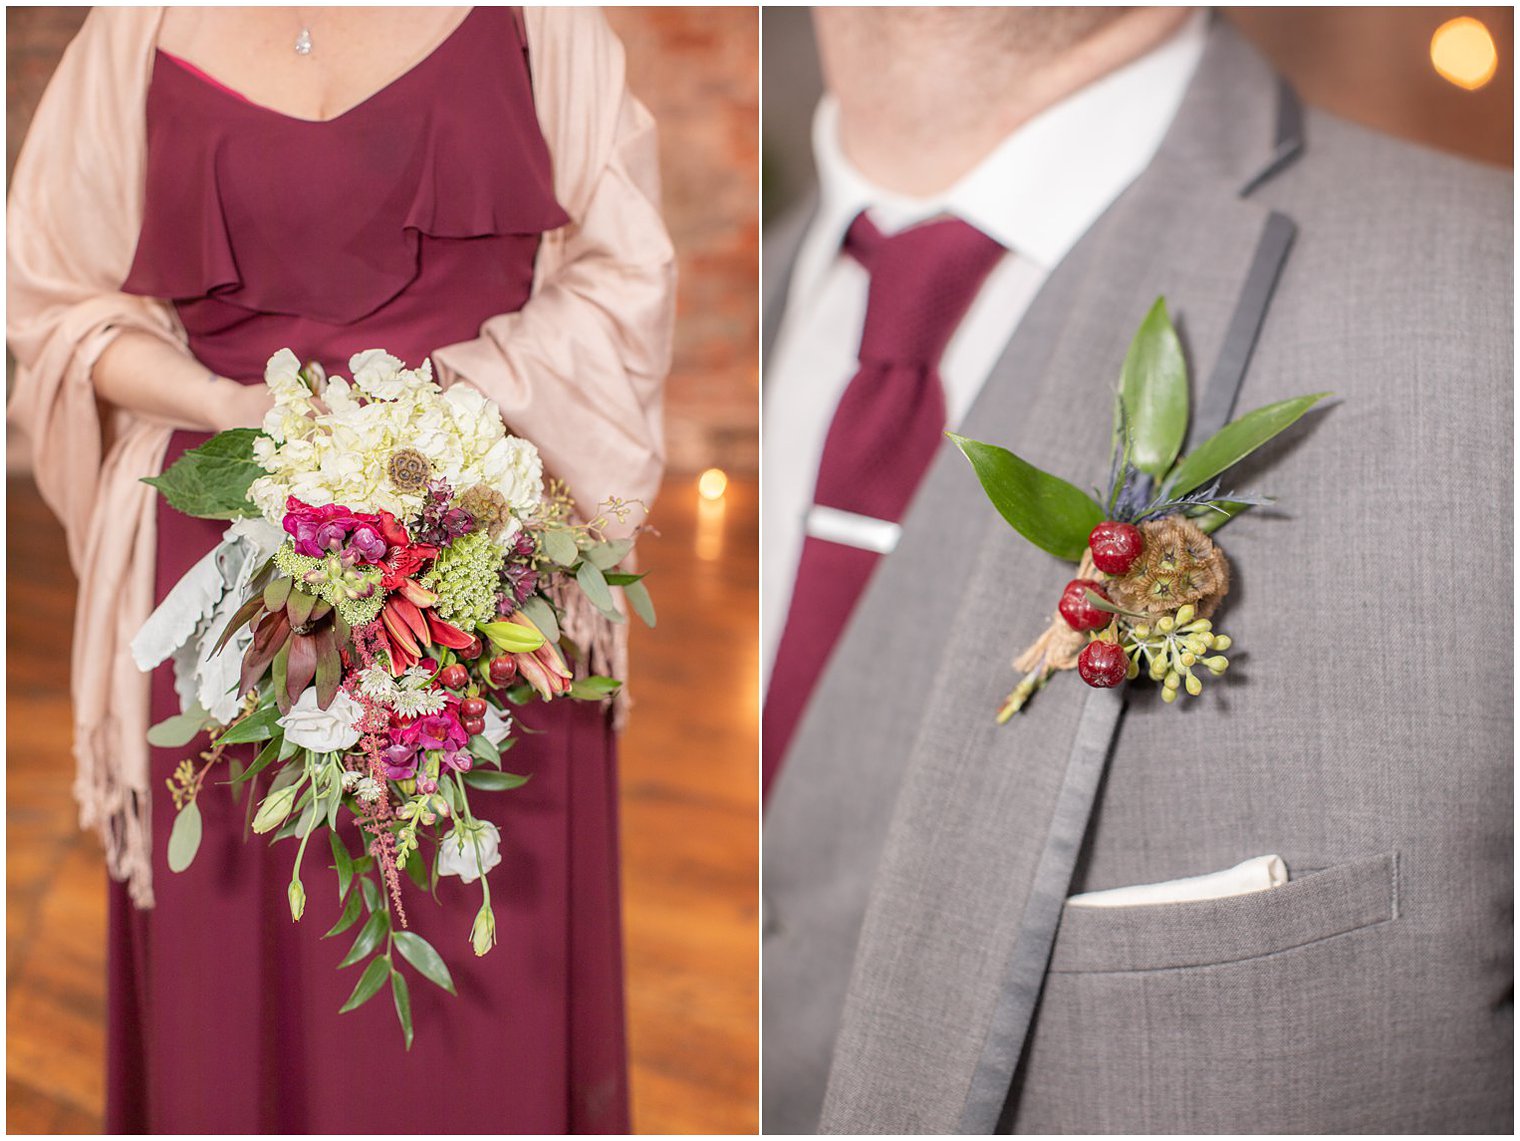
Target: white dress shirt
{"points": [[1037, 193]]}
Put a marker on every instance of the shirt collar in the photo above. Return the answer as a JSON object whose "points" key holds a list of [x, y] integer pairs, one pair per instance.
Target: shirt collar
{"points": [[1044, 185]]}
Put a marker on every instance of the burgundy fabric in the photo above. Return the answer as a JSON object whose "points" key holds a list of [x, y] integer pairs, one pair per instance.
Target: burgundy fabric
{"points": [[886, 430], [268, 231]]}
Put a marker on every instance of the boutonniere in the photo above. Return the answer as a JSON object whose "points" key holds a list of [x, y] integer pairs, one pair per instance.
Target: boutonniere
{"points": [[1149, 576]]}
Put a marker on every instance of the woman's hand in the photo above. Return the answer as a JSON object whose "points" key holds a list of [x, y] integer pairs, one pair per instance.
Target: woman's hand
{"points": [[239, 405]]}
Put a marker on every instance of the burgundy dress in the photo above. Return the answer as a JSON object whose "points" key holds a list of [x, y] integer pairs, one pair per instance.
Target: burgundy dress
{"points": [[401, 224]]}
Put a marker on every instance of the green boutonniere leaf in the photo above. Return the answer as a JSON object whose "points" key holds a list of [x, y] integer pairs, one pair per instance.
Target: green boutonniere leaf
{"points": [[1235, 441], [1153, 387], [1051, 513], [211, 481]]}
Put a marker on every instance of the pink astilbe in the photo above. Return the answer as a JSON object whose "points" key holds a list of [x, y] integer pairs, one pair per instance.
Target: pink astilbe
{"points": [[375, 725]]}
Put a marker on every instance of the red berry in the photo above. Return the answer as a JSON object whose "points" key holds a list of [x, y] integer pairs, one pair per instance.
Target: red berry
{"points": [[1102, 665], [501, 670], [473, 708], [454, 676], [473, 650], [474, 726], [1080, 614], [1115, 546]]}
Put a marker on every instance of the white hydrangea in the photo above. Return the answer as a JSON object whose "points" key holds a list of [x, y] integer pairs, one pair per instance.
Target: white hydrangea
{"points": [[343, 456]]}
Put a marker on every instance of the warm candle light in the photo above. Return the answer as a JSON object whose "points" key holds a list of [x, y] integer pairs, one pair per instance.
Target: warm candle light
{"points": [[1463, 53], [712, 483]]}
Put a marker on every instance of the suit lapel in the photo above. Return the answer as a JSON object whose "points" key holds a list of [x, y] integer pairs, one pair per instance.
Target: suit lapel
{"points": [[926, 1042]]}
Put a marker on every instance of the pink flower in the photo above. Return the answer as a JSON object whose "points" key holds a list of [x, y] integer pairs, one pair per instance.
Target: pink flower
{"points": [[321, 531]]}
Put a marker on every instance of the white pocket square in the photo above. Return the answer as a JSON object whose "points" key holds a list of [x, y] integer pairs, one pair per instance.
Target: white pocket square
{"points": [[1257, 874]]}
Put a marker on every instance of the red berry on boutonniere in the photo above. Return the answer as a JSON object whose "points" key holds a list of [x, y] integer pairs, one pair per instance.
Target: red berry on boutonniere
{"points": [[1103, 665], [1079, 612], [1115, 546]]}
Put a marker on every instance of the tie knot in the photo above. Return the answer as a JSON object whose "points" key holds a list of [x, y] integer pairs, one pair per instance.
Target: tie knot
{"points": [[923, 279]]}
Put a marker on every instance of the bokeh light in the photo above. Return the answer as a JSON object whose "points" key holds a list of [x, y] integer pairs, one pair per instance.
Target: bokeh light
{"points": [[1463, 53], [712, 483]]}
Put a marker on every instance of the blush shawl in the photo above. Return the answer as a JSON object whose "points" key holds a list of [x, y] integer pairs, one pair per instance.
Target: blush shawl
{"points": [[579, 370]]}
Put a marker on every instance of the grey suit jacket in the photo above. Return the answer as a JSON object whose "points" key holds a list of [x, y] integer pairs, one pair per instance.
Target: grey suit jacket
{"points": [[1363, 732]]}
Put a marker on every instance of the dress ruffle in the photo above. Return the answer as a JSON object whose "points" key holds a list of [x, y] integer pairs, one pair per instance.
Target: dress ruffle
{"points": [[447, 169]]}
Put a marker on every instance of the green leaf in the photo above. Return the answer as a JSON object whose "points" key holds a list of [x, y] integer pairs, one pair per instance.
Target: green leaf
{"points": [[560, 548], [403, 999], [1216, 513], [595, 586], [493, 781], [349, 917], [608, 554], [371, 894], [343, 862], [622, 578], [369, 984], [1235, 441], [212, 481], [485, 752], [638, 597], [594, 688], [541, 614], [418, 872], [369, 937], [260, 725], [179, 730], [430, 965], [1154, 388], [265, 758], [184, 837], [1046, 510]]}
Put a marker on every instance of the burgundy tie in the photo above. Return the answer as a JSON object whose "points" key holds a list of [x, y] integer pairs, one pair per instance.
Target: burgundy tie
{"points": [[888, 426]]}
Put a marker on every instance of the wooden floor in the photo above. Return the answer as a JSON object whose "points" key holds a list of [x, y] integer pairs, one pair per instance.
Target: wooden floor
{"points": [[689, 834]]}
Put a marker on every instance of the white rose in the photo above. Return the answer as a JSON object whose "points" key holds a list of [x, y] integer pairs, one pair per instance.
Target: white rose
{"points": [[328, 730], [378, 374], [469, 851]]}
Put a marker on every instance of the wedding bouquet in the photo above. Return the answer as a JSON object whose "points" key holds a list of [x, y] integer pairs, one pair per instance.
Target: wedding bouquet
{"points": [[385, 594]]}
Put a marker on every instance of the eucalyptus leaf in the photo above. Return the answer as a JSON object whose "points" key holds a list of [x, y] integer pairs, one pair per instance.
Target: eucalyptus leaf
{"points": [[403, 998], [350, 915], [595, 586], [369, 937], [212, 481], [1235, 441], [1154, 389], [179, 730], [541, 614], [420, 953], [608, 554], [369, 984], [184, 837], [637, 595], [493, 781], [560, 548], [1051, 513]]}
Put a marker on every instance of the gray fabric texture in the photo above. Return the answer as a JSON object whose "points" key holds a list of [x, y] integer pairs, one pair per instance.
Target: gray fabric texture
{"points": [[1363, 732]]}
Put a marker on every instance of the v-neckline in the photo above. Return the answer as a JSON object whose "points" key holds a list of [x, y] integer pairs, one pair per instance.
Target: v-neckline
{"points": [[205, 79]]}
